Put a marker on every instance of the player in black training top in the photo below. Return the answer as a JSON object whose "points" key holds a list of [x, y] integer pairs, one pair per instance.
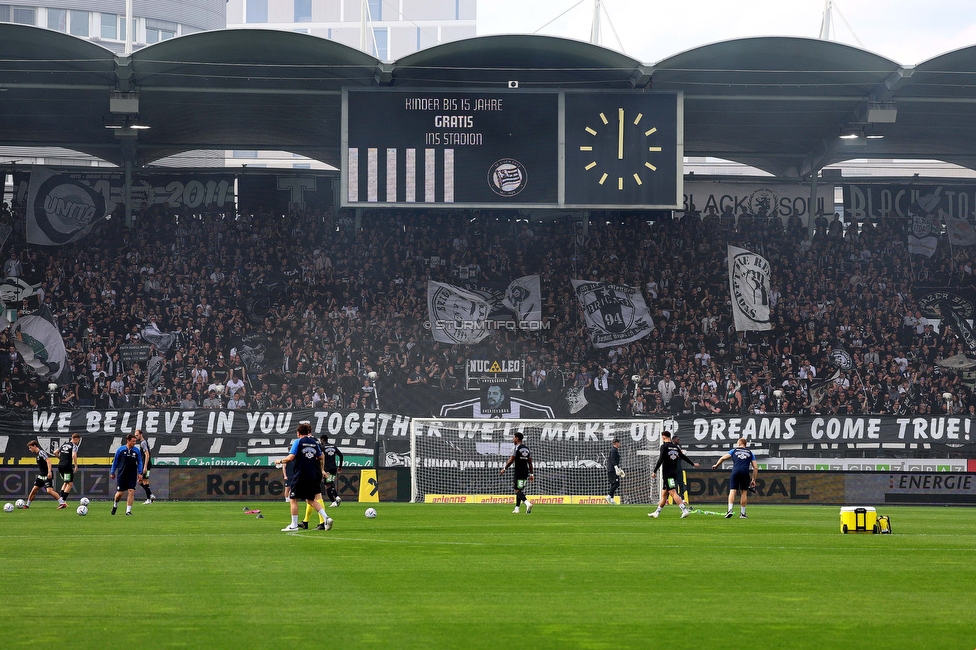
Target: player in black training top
{"points": [[522, 458], [306, 477], [45, 476], [333, 465], [742, 479], [614, 471], [68, 464], [670, 464], [146, 466]]}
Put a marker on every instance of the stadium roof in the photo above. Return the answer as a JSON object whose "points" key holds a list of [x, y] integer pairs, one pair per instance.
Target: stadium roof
{"points": [[778, 104]]}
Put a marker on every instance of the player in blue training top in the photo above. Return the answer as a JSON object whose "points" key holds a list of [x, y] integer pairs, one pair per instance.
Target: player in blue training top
{"points": [[306, 479], [742, 480], [127, 471]]}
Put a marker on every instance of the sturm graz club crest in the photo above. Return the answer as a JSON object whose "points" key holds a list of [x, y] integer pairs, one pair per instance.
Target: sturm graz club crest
{"points": [[507, 177]]}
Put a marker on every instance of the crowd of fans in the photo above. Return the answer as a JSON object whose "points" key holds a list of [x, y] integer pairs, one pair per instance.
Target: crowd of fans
{"points": [[345, 298]]}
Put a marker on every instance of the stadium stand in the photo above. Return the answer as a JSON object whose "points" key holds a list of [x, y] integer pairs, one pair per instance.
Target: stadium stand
{"points": [[342, 302]]}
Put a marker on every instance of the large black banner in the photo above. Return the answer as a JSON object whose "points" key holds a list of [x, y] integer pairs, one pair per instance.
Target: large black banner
{"points": [[889, 200], [278, 193], [846, 431], [202, 437]]}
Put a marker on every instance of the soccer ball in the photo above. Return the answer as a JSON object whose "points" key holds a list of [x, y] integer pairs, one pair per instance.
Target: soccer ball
{"points": [[84, 501], [8, 507], [370, 513], [82, 510], [20, 503]]}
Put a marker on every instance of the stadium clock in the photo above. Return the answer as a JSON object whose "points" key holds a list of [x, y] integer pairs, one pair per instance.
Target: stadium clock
{"points": [[621, 149]]}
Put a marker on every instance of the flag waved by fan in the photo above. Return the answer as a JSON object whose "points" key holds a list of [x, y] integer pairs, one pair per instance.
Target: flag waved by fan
{"points": [[39, 342]]}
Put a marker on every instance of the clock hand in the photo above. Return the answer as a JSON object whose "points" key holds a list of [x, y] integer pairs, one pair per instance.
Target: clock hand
{"points": [[620, 134]]}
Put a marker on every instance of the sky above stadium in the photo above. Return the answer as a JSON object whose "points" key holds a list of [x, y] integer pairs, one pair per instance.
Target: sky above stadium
{"points": [[906, 31]]}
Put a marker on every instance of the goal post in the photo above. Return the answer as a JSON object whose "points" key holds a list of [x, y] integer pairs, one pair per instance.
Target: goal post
{"points": [[459, 461]]}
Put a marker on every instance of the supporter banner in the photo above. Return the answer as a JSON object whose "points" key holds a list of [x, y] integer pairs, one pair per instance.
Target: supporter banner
{"points": [[896, 200], [771, 487], [614, 313], [908, 430], [200, 437], [162, 340], [749, 289], [960, 231], [279, 193], [524, 297], [62, 206], [456, 315], [39, 342], [134, 353], [15, 289], [779, 200]]}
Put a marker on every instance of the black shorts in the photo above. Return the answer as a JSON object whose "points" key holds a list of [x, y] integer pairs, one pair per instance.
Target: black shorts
{"points": [[145, 475], [305, 489], [126, 482], [521, 482], [67, 476], [670, 483], [329, 476], [42, 482], [740, 481]]}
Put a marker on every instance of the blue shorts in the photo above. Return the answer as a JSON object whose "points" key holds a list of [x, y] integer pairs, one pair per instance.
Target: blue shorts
{"points": [[740, 481]]}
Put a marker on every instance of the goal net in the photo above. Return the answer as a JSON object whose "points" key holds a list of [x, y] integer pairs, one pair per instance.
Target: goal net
{"points": [[458, 461]]}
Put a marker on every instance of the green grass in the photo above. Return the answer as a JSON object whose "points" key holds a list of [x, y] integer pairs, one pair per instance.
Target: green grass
{"points": [[442, 576]]}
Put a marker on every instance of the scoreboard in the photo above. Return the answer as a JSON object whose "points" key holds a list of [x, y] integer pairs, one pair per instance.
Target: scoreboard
{"points": [[510, 148]]}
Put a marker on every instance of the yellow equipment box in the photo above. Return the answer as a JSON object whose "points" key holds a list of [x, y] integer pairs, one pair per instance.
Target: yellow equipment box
{"points": [[859, 519]]}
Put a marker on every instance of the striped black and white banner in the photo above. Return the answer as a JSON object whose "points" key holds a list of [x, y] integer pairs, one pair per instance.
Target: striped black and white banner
{"points": [[406, 175]]}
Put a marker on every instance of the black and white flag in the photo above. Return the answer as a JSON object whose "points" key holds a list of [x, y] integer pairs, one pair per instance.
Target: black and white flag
{"points": [[15, 289], [39, 342], [524, 297], [61, 209], [749, 288], [162, 340], [922, 239], [614, 313], [456, 315]]}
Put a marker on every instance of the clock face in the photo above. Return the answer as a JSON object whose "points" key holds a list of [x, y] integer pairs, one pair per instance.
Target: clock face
{"points": [[621, 149]]}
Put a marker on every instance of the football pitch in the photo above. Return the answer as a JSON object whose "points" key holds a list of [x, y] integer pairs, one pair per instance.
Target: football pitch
{"points": [[467, 576]]}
